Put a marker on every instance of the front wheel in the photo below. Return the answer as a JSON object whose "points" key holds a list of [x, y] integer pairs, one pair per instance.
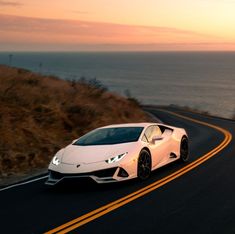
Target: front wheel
{"points": [[144, 165], [184, 149]]}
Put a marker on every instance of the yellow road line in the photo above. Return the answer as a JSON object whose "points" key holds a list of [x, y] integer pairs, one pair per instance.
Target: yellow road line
{"points": [[75, 223]]}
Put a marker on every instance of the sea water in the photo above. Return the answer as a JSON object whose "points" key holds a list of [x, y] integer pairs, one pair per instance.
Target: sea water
{"points": [[201, 80]]}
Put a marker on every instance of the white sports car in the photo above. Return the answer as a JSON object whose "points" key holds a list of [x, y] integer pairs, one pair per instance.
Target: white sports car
{"points": [[119, 152]]}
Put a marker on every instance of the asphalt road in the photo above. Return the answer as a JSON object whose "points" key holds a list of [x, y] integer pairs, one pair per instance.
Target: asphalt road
{"points": [[197, 197]]}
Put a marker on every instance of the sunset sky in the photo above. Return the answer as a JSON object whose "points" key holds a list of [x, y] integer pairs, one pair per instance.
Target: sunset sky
{"points": [[76, 25]]}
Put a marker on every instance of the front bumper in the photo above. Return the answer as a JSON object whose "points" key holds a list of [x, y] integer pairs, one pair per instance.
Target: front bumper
{"points": [[101, 176]]}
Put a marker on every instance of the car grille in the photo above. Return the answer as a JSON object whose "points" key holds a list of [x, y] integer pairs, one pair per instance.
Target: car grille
{"points": [[101, 173]]}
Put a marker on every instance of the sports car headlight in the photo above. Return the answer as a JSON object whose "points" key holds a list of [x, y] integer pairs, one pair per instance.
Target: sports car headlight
{"points": [[55, 161], [116, 158]]}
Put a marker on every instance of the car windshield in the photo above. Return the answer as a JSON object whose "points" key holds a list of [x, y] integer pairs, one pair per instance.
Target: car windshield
{"points": [[108, 136]]}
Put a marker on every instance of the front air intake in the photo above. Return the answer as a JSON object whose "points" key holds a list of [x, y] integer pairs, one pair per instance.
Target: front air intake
{"points": [[122, 173], [101, 173]]}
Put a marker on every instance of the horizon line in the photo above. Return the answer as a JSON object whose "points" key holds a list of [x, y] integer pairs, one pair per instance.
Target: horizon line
{"points": [[111, 51]]}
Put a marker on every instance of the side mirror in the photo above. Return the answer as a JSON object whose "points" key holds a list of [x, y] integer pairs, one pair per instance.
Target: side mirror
{"points": [[157, 138]]}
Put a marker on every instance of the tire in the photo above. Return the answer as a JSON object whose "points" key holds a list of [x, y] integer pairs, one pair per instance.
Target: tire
{"points": [[144, 165], [184, 149]]}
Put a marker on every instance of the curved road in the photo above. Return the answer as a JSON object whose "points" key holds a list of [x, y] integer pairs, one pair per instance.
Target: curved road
{"points": [[197, 197]]}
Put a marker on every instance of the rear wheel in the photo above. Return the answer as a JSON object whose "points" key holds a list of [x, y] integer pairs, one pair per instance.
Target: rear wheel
{"points": [[184, 149], [144, 165]]}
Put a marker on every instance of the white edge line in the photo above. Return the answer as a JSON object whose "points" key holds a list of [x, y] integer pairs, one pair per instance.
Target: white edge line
{"points": [[23, 183]]}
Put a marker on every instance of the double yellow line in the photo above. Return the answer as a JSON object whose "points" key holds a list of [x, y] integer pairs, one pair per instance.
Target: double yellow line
{"points": [[75, 223]]}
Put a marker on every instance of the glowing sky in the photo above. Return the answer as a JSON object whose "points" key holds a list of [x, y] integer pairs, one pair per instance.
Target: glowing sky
{"points": [[76, 25]]}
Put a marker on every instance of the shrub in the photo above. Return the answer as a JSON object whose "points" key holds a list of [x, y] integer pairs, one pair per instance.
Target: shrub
{"points": [[132, 99]]}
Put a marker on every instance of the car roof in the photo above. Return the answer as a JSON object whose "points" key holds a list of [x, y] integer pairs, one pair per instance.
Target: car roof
{"points": [[145, 124]]}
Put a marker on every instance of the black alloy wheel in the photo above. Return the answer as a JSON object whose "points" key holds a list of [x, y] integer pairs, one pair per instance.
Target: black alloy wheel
{"points": [[184, 149], [144, 165]]}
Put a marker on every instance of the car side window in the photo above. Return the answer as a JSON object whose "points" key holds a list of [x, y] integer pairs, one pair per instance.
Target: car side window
{"points": [[150, 132], [144, 138]]}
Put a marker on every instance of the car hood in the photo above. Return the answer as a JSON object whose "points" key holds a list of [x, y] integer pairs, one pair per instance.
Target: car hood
{"points": [[74, 154]]}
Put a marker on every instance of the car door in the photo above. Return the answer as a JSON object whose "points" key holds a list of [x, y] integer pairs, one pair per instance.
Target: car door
{"points": [[158, 148]]}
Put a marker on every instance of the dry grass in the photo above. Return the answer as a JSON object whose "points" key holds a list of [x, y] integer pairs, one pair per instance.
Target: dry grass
{"points": [[40, 114]]}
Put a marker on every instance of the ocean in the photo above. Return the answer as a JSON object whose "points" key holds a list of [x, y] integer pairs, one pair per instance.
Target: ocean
{"points": [[201, 80]]}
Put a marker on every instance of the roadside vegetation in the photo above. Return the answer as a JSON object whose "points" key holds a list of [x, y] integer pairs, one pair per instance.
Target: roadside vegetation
{"points": [[233, 117], [192, 109], [199, 111], [40, 114]]}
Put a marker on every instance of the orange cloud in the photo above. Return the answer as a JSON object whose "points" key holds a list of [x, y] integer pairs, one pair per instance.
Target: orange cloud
{"points": [[17, 32], [10, 3]]}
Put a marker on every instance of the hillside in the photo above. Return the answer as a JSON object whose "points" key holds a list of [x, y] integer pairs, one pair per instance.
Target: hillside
{"points": [[40, 114]]}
